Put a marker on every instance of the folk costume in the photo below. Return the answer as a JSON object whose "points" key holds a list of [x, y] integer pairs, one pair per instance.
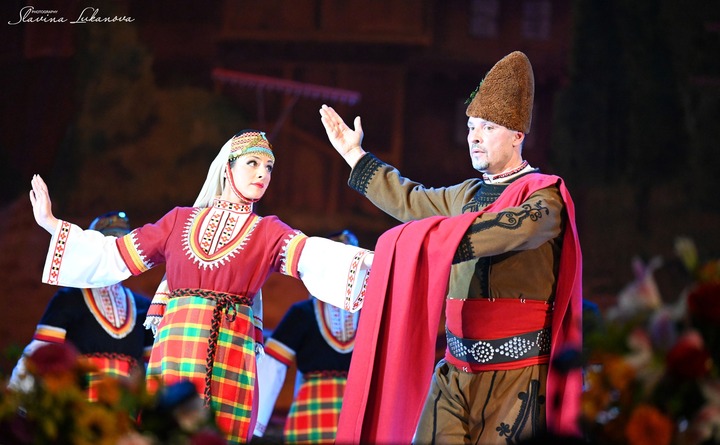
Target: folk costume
{"points": [[505, 258], [104, 324], [319, 339], [217, 256]]}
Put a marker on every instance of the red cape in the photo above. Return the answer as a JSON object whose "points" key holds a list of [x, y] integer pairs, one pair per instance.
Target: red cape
{"points": [[395, 343]]}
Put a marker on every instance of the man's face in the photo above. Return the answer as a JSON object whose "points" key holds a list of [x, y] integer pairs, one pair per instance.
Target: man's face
{"points": [[493, 148]]}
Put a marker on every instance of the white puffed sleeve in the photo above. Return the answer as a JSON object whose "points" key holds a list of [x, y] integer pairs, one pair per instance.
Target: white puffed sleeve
{"points": [[83, 258], [334, 272]]}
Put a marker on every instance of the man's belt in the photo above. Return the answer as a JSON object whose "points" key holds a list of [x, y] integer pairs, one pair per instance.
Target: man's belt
{"points": [[499, 350]]}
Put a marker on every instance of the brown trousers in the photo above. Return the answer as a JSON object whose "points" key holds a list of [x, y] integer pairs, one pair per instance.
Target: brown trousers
{"points": [[491, 407]]}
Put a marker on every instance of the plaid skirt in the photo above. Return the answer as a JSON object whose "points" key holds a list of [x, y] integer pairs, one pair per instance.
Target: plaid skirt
{"points": [[313, 416], [115, 366], [181, 350]]}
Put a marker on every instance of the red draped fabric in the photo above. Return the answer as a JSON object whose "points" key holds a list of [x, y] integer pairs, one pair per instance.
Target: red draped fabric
{"points": [[395, 344]]}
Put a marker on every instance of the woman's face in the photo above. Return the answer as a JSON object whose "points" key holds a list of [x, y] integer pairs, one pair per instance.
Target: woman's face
{"points": [[252, 174]]}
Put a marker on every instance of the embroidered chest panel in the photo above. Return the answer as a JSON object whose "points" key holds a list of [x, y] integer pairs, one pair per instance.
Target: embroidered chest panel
{"points": [[337, 326], [114, 309], [213, 236]]}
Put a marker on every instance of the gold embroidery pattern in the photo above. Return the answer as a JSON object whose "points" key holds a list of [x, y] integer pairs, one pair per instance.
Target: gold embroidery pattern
{"points": [[113, 309], [337, 326], [289, 252], [139, 260], [227, 232], [232, 206], [209, 234], [198, 247]]}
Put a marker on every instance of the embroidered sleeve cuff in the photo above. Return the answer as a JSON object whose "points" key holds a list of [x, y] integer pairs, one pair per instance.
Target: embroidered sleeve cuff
{"points": [[363, 172], [334, 272], [280, 352], [83, 258]]}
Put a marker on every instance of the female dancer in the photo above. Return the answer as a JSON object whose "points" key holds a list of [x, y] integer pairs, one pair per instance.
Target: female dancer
{"points": [[217, 256]]}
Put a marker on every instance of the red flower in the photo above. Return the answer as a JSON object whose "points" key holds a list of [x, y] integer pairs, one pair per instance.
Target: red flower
{"points": [[688, 358], [53, 359], [704, 303], [648, 426]]}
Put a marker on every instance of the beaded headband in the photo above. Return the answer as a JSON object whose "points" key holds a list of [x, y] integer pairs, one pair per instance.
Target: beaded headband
{"points": [[250, 141]]}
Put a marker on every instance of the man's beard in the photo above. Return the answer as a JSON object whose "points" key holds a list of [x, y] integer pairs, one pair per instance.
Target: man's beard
{"points": [[480, 166]]}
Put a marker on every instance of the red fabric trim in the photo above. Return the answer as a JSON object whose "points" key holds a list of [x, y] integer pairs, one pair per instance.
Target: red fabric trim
{"points": [[292, 255], [476, 367], [279, 357], [405, 295], [501, 318], [279, 352], [129, 255], [49, 339]]}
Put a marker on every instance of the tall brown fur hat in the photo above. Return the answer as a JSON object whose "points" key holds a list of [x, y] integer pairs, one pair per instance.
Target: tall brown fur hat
{"points": [[505, 96]]}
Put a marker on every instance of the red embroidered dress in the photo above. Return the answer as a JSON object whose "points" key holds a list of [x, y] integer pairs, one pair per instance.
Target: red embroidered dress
{"points": [[217, 260]]}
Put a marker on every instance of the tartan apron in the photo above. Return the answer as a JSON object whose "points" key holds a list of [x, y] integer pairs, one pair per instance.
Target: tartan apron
{"points": [[108, 365], [314, 414], [212, 345]]}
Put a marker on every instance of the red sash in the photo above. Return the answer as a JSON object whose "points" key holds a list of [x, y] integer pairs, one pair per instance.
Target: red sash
{"points": [[502, 318]]}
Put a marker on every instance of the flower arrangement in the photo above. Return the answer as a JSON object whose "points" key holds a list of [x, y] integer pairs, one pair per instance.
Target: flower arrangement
{"points": [[652, 374], [56, 408]]}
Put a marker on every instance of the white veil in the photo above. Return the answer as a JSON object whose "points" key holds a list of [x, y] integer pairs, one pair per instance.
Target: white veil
{"points": [[215, 180]]}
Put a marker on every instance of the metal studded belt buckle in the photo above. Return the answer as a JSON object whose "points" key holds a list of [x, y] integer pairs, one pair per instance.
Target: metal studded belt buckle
{"points": [[500, 350]]}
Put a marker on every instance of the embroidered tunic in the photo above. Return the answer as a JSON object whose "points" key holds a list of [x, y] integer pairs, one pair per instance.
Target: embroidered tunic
{"points": [[319, 339], [216, 261]]}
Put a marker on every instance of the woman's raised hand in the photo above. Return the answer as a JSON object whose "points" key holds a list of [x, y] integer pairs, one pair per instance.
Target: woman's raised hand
{"points": [[345, 140], [42, 206]]}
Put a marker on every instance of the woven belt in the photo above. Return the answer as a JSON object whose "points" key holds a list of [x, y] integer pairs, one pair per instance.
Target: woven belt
{"points": [[499, 350]]}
